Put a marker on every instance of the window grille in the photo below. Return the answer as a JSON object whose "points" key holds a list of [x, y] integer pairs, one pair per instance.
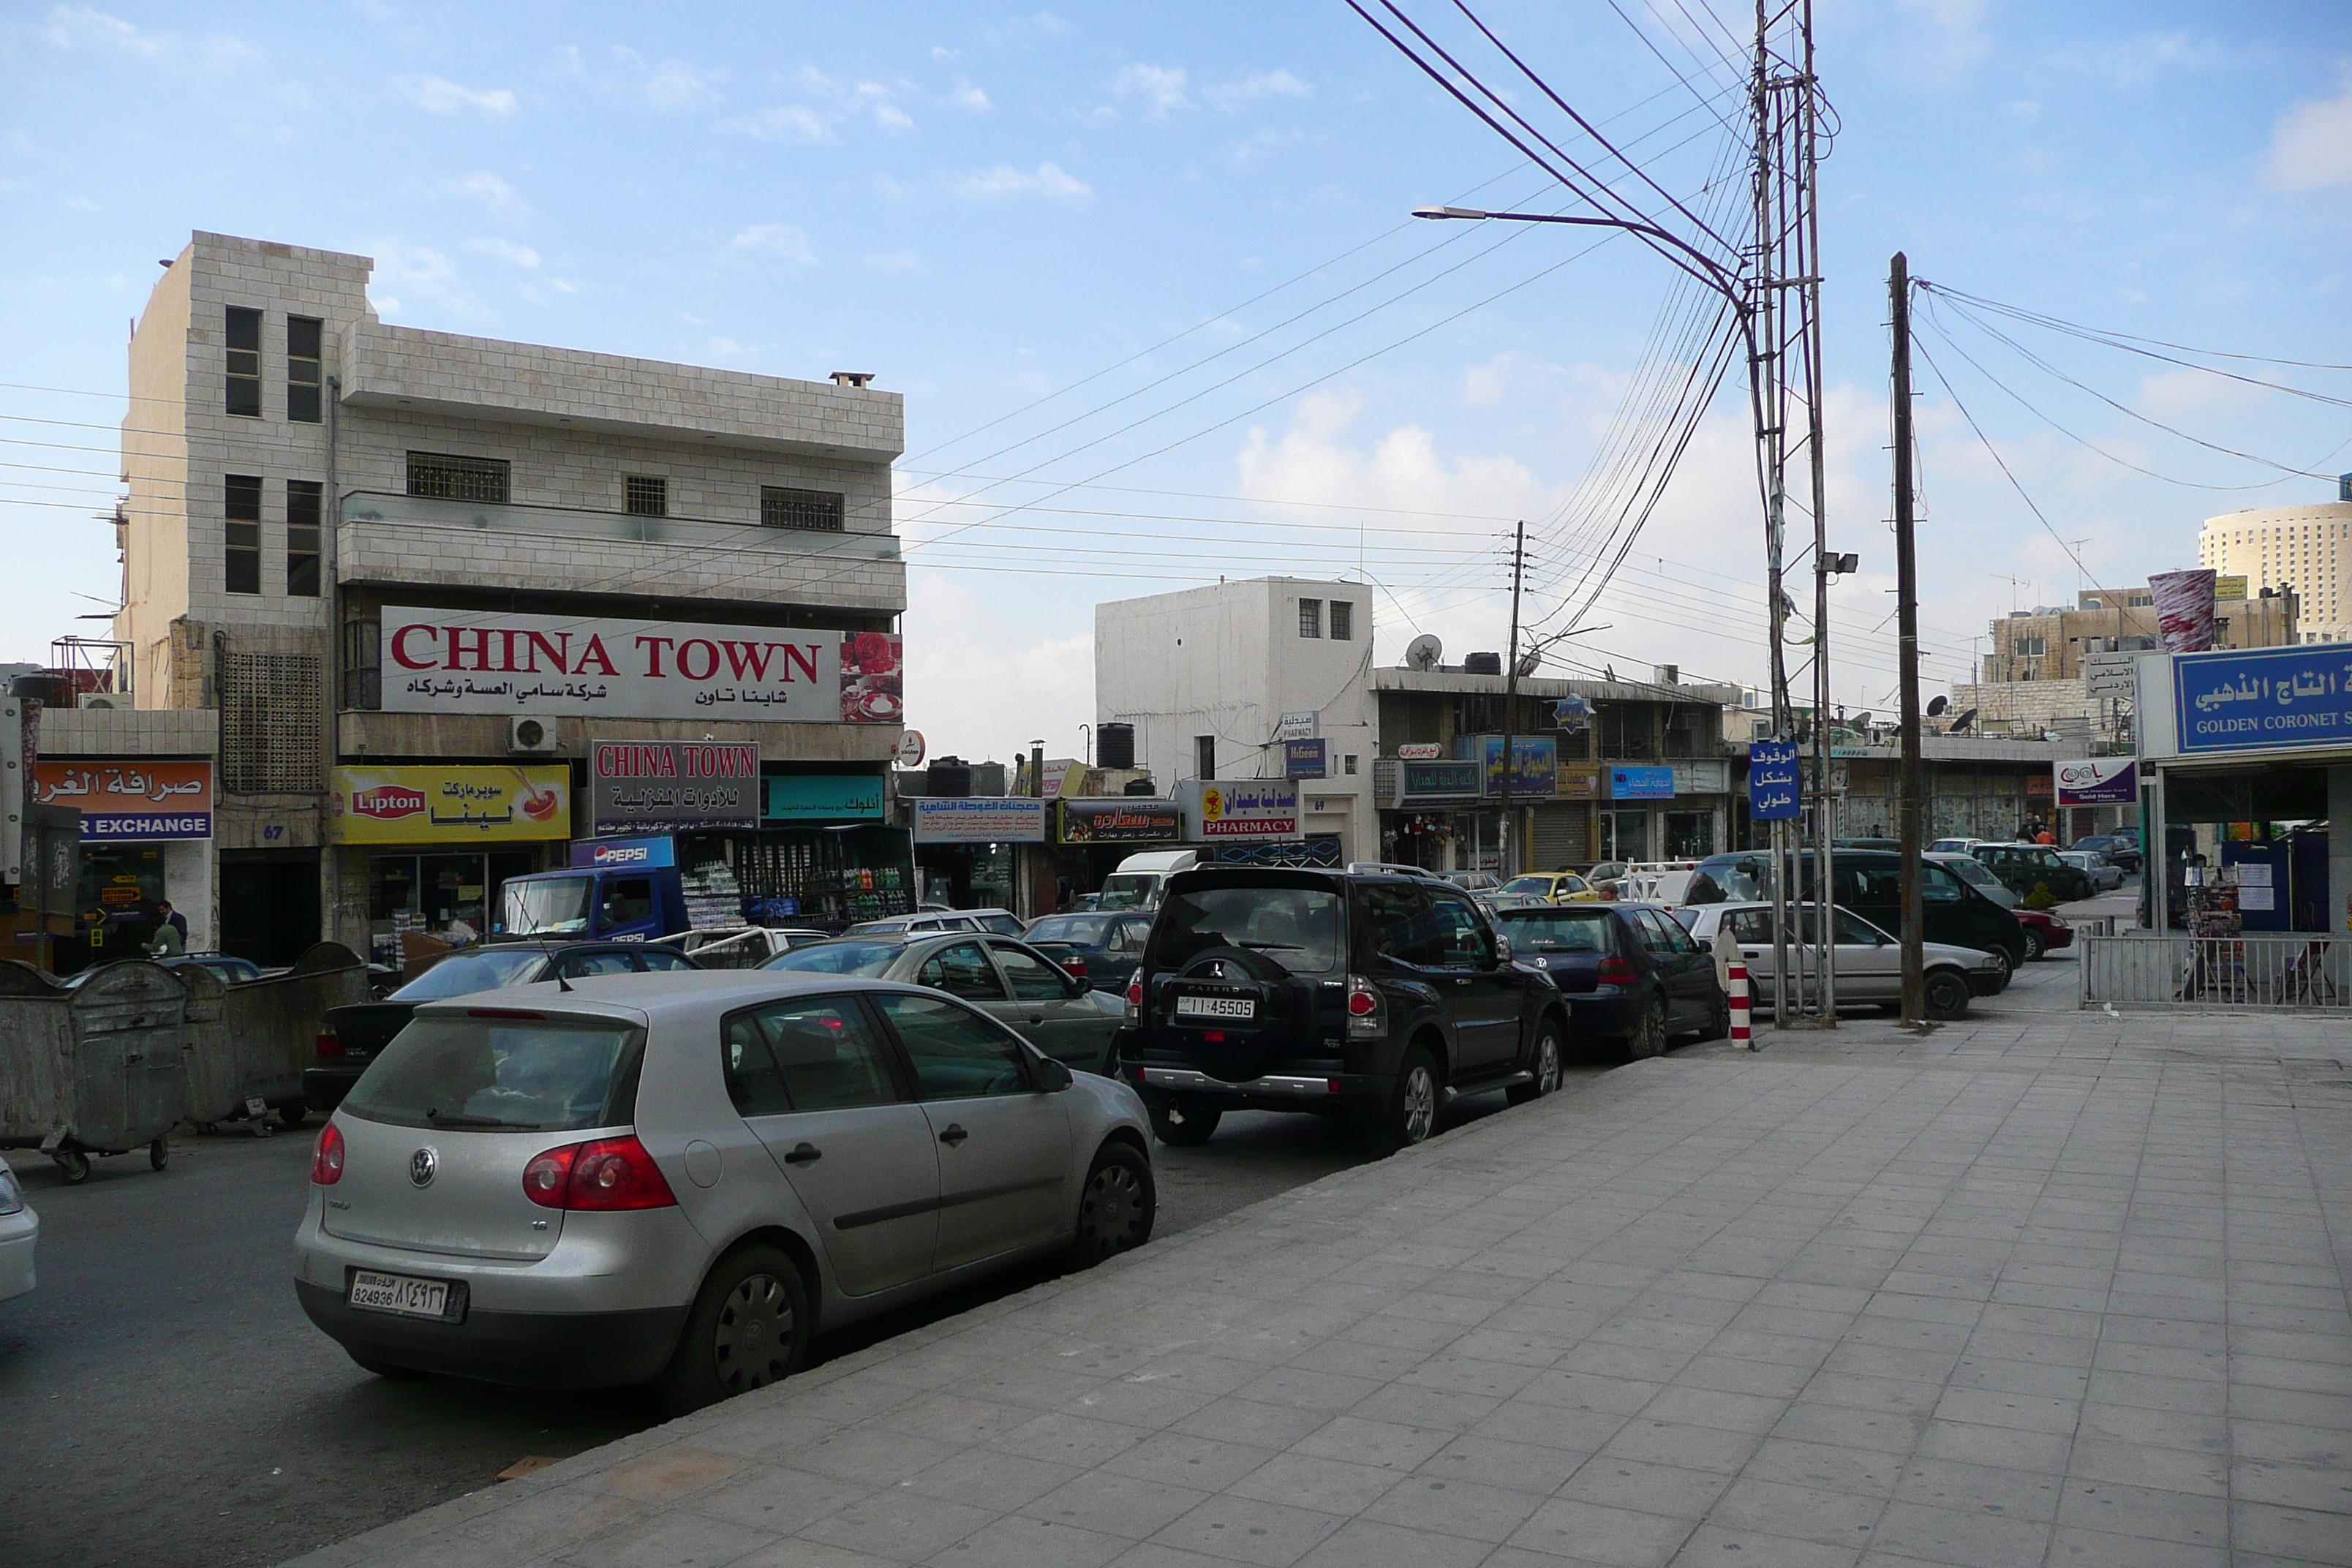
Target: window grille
{"points": [[244, 362], [819, 511], [270, 716], [447, 477], [1310, 617], [303, 361], [1343, 620], [648, 495]]}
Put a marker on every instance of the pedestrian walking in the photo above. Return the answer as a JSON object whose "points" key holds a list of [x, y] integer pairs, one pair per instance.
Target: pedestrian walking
{"points": [[171, 938]]}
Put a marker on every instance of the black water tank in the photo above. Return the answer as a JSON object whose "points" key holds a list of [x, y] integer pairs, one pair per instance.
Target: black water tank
{"points": [[1139, 786], [1482, 664], [1115, 745], [948, 776]]}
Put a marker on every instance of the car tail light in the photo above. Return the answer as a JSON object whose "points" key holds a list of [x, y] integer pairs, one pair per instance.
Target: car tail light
{"points": [[327, 1156], [1364, 1011], [1618, 972], [1135, 999], [1075, 966], [604, 1175], [330, 1045]]}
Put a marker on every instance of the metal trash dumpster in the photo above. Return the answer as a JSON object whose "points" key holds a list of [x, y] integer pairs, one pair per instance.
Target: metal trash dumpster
{"points": [[91, 1069], [248, 1044]]}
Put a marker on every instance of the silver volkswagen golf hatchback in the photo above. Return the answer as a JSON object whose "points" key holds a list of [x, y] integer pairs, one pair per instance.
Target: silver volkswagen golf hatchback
{"points": [[679, 1178]]}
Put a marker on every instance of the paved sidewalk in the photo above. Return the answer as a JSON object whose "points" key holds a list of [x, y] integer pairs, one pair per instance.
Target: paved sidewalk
{"points": [[2040, 1288]]}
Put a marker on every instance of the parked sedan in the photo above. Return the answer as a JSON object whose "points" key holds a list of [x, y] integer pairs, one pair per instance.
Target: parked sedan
{"points": [[676, 1179], [2121, 849], [1060, 1013], [349, 1037], [1103, 948], [2105, 876], [1867, 962], [1553, 887], [1004, 922], [20, 1230], [1631, 975]]}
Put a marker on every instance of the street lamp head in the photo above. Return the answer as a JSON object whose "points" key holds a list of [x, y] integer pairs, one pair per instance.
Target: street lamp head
{"points": [[1448, 212]]}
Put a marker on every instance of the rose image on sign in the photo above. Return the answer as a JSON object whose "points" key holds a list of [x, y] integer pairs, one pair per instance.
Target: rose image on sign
{"points": [[872, 689]]}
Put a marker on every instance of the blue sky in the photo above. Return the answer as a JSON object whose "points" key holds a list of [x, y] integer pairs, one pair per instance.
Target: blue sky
{"points": [[990, 207]]}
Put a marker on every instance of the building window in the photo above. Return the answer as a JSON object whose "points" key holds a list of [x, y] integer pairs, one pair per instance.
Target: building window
{"points": [[302, 506], [2031, 647], [244, 513], [1343, 620], [244, 362], [819, 510], [1310, 617], [447, 478], [648, 495], [1205, 756], [1348, 765], [302, 377]]}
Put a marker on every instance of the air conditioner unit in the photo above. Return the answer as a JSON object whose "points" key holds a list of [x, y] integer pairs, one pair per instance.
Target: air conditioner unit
{"points": [[101, 700], [527, 735]]}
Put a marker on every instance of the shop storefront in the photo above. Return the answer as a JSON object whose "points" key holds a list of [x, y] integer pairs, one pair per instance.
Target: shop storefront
{"points": [[825, 854], [965, 845], [1425, 805], [1091, 836], [430, 845], [1668, 811], [146, 838]]}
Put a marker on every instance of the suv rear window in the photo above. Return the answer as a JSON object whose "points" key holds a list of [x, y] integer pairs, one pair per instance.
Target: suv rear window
{"points": [[1559, 931], [1297, 928], [505, 1073]]}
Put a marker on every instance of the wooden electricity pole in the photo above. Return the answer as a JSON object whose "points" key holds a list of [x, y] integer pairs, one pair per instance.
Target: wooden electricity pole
{"points": [[1906, 610], [1509, 845]]}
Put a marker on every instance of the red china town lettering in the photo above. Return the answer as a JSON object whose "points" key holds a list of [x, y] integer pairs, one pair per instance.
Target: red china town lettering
{"points": [[622, 760], [504, 650]]}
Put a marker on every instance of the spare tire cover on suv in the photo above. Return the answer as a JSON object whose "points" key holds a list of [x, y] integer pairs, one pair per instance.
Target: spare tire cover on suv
{"points": [[1233, 976]]}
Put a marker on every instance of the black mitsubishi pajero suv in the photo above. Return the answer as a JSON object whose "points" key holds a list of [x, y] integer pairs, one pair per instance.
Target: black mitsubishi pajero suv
{"points": [[1375, 997]]}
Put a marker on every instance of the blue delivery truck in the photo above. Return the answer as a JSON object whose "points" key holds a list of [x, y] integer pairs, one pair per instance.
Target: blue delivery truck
{"points": [[616, 890]]}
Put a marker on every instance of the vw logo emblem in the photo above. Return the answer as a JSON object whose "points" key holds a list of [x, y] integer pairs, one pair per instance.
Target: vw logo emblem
{"points": [[421, 1166]]}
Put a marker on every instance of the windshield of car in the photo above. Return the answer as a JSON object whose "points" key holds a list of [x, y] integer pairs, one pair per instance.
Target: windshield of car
{"points": [[1085, 930], [1535, 887], [516, 1072], [1130, 891], [1557, 931], [1297, 928], [484, 969], [1970, 869], [848, 956], [552, 906]]}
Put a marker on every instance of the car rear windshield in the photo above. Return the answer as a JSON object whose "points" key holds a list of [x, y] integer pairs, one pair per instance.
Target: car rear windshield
{"points": [[1539, 887], [495, 1071], [848, 956], [1080, 928], [467, 972], [552, 906], [1297, 928], [1557, 931]]}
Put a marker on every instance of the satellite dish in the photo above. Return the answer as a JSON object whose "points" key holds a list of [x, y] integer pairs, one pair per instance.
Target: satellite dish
{"points": [[1424, 652], [1963, 720], [1862, 719], [1935, 705]]}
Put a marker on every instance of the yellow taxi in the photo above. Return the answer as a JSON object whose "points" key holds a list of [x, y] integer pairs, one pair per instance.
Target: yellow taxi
{"points": [[1553, 887]]}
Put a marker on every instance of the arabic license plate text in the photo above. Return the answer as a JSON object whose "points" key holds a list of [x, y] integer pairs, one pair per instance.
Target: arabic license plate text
{"points": [[1216, 1007], [398, 1293]]}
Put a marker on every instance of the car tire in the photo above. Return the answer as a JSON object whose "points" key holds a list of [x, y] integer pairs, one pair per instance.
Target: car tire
{"points": [[1184, 1126], [1545, 1067], [159, 1156], [1118, 1205], [2033, 945], [1946, 994], [748, 1327], [1718, 1022], [2009, 961], [1410, 1115], [390, 1371], [293, 1112], [1649, 1036]]}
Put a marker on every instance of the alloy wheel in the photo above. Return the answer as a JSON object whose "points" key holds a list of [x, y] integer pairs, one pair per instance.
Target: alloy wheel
{"points": [[1546, 1062], [753, 1344], [1419, 1104]]}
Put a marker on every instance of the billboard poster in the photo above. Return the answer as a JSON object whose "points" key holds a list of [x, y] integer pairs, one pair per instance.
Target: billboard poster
{"points": [[822, 798], [2096, 781], [671, 786], [1438, 782], [1640, 784], [591, 665], [426, 803], [1304, 760], [2265, 699], [1535, 763], [978, 819], [1120, 819], [2184, 608], [131, 802], [1231, 810]]}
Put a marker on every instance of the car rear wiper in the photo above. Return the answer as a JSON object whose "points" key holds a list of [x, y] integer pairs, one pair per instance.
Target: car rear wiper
{"points": [[1271, 946], [460, 1122]]}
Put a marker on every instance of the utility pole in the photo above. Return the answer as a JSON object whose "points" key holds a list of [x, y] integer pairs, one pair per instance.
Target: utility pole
{"points": [[1505, 849], [1906, 610]]}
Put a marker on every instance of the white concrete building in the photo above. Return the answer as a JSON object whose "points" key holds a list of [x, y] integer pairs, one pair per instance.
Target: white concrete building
{"points": [[306, 481], [2307, 547]]}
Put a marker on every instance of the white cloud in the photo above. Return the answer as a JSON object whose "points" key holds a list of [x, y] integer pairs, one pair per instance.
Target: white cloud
{"points": [[1047, 179], [674, 85], [1483, 384], [1021, 29], [508, 251], [981, 683], [1955, 36], [783, 122], [781, 240], [424, 275], [490, 191], [2310, 149], [437, 95], [1162, 90], [964, 95], [87, 28], [1256, 86], [890, 117]]}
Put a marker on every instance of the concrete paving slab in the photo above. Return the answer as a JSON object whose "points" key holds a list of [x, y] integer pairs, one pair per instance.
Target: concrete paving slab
{"points": [[2045, 1288]]}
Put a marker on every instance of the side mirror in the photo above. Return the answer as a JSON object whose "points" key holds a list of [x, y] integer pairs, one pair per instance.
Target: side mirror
{"points": [[1053, 1076], [1079, 985], [1502, 949]]}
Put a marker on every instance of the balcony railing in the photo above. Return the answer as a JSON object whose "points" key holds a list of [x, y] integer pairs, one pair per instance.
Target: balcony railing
{"points": [[380, 507]]}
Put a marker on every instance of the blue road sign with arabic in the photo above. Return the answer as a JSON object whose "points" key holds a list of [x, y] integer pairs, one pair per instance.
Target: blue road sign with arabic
{"points": [[2255, 700], [1773, 795]]}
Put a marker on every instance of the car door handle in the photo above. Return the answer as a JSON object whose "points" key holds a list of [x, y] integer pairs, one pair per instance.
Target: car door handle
{"points": [[953, 1135], [1036, 1017], [804, 1154]]}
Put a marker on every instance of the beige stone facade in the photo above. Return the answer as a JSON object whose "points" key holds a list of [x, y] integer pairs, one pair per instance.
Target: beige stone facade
{"points": [[2304, 547]]}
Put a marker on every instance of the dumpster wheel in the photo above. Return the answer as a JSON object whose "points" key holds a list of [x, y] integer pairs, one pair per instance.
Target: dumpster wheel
{"points": [[74, 1163], [159, 1154]]}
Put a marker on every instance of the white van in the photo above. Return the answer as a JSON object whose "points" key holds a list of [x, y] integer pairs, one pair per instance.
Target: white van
{"points": [[1141, 879]]}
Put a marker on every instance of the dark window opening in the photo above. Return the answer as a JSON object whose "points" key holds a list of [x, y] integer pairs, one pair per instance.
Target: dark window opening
{"points": [[245, 362], [447, 477], [302, 368], [819, 511], [303, 498], [648, 495], [243, 511], [1205, 756], [1343, 620]]}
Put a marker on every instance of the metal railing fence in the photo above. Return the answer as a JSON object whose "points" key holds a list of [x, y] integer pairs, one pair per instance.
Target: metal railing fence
{"points": [[2287, 971]]}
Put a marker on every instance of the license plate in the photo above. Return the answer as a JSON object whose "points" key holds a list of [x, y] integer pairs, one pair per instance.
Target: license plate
{"points": [[1216, 1007], [399, 1293]]}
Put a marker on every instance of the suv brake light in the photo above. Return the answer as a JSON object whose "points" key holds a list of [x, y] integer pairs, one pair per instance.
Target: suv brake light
{"points": [[1135, 998], [327, 1157], [1617, 970], [330, 1045], [1364, 1011], [604, 1174]]}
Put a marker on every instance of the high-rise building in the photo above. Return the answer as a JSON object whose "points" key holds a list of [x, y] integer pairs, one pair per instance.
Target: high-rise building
{"points": [[2305, 546]]}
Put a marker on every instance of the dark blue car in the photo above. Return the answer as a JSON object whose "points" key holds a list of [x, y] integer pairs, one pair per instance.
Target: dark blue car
{"points": [[1105, 947], [1633, 978]]}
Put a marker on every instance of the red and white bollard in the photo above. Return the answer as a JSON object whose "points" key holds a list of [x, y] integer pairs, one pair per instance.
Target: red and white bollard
{"points": [[1741, 1037]]}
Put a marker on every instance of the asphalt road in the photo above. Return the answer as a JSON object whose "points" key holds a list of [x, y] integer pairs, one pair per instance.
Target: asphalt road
{"points": [[165, 1404]]}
